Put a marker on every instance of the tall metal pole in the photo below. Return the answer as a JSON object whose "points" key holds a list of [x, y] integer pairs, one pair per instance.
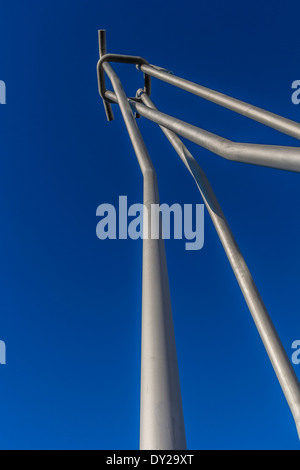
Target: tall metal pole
{"points": [[162, 424], [161, 414]]}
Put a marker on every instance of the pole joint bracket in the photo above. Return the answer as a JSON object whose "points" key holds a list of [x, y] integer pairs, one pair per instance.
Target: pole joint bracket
{"points": [[125, 59]]}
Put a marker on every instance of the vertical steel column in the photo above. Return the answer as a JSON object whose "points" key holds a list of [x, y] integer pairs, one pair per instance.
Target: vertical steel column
{"points": [[161, 419]]}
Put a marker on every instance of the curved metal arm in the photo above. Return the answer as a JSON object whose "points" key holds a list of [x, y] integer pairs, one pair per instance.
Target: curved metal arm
{"points": [[123, 59], [274, 156]]}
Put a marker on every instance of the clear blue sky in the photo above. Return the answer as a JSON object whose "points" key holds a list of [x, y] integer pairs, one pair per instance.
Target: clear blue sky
{"points": [[70, 304]]}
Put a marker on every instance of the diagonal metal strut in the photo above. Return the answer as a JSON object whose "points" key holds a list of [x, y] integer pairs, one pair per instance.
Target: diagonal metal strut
{"points": [[273, 345]]}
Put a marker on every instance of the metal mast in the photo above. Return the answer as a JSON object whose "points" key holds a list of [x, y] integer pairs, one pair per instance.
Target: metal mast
{"points": [[161, 415], [162, 424]]}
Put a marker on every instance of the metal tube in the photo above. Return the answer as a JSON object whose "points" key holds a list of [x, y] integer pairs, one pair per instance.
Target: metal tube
{"points": [[281, 124], [274, 156], [102, 51], [161, 420], [278, 357]]}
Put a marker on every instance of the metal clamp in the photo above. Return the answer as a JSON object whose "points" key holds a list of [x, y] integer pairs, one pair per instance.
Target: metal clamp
{"points": [[125, 59], [104, 57]]}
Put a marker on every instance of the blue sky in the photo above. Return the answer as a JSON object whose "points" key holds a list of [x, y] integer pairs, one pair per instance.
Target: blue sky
{"points": [[70, 304]]}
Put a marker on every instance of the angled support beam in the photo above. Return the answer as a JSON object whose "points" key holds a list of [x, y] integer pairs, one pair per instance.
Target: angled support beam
{"points": [[275, 350], [273, 156], [281, 124]]}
